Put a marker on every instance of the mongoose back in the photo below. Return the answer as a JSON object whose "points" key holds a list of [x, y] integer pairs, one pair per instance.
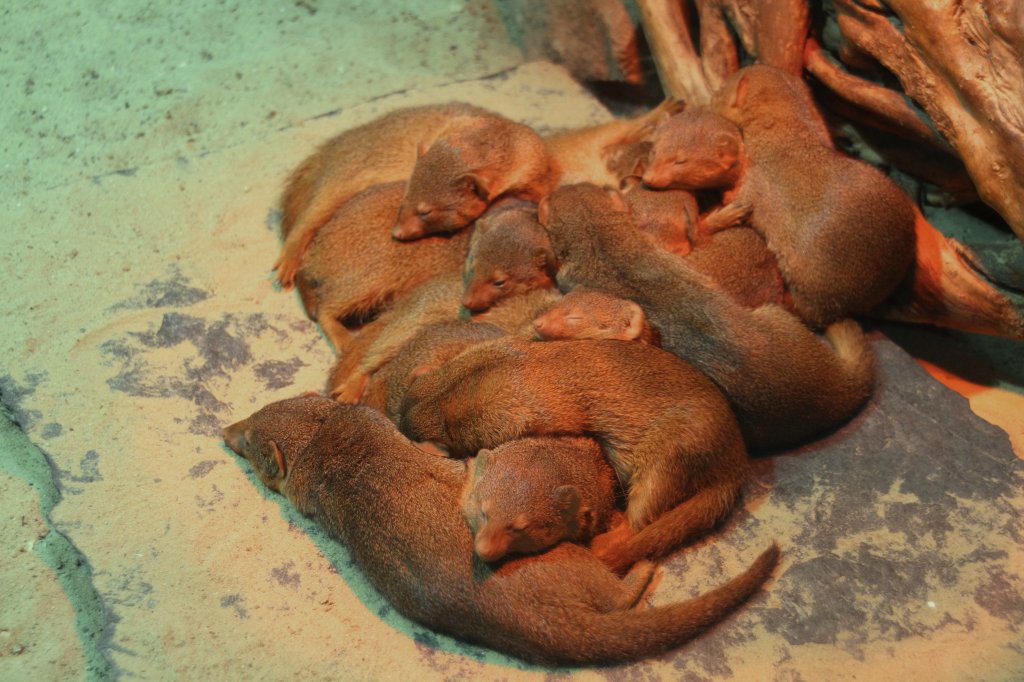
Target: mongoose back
{"points": [[436, 300], [349, 469], [668, 216], [740, 263], [843, 232], [353, 267], [785, 383], [666, 429], [528, 495], [429, 348], [594, 153], [380, 151], [717, 244], [509, 254], [586, 313]]}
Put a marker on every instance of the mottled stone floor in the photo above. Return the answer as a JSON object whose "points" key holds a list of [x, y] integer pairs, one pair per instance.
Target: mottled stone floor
{"points": [[143, 154]]}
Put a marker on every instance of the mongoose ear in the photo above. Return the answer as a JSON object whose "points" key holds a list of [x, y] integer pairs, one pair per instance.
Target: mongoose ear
{"points": [[421, 149], [420, 370], [640, 167], [726, 144], [740, 91], [282, 468], [544, 259], [635, 324], [567, 497], [478, 185], [618, 203], [483, 459], [542, 211]]}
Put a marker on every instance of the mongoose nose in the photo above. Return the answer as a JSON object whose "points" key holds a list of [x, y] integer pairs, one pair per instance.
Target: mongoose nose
{"points": [[234, 437], [489, 551], [475, 305], [408, 229]]}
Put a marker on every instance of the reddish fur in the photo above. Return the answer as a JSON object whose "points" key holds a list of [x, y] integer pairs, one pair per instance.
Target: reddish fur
{"points": [[396, 507], [353, 267], [509, 255], [785, 383], [667, 431], [381, 151], [843, 232]]}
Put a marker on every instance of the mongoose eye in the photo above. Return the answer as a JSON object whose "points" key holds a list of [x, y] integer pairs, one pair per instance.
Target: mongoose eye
{"points": [[499, 283], [518, 526], [681, 162]]}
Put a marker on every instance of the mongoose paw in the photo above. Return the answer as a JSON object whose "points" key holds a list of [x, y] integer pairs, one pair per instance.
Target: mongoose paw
{"points": [[286, 270], [721, 218], [610, 548], [352, 390]]}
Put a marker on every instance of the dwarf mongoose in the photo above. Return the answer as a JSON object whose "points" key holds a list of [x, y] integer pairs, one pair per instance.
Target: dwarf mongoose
{"points": [[784, 382], [843, 231], [666, 429], [509, 254], [349, 469]]}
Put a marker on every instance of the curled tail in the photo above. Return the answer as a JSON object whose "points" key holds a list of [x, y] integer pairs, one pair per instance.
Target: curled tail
{"points": [[591, 637], [694, 517], [856, 380]]}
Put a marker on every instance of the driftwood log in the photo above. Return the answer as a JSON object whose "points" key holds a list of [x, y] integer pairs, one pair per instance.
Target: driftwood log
{"points": [[936, 88]]}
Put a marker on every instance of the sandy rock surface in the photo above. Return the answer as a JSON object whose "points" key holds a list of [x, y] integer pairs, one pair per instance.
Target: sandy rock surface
{"points": [[142, 178]]}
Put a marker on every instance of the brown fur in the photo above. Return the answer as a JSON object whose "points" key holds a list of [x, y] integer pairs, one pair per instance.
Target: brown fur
{"points": [[509, 254], [353, 268], [381, 151], [785, 383], [437, 300], [350, 470], [431, 347], [586, 313], [528, 495], [842, 231], [668, 216], [695, 150], [377, 343], [739, 262], [667, 431]]}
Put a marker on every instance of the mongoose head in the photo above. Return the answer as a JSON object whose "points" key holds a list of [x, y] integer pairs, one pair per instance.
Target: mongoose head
{"points": [[585, 313], [515, 511], [509, 254], [571, 215], [697, 149], [275, 435], [444, 193]]}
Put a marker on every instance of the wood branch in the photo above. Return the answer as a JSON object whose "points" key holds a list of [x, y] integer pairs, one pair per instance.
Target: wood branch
{"points": [[782, 27], [679, 67], [718, 51], [880, 101], [949, 287], [963, 64]]}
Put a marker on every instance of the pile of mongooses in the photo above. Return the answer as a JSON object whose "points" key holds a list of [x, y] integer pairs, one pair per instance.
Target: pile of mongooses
{"points": [[606, 319]]}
